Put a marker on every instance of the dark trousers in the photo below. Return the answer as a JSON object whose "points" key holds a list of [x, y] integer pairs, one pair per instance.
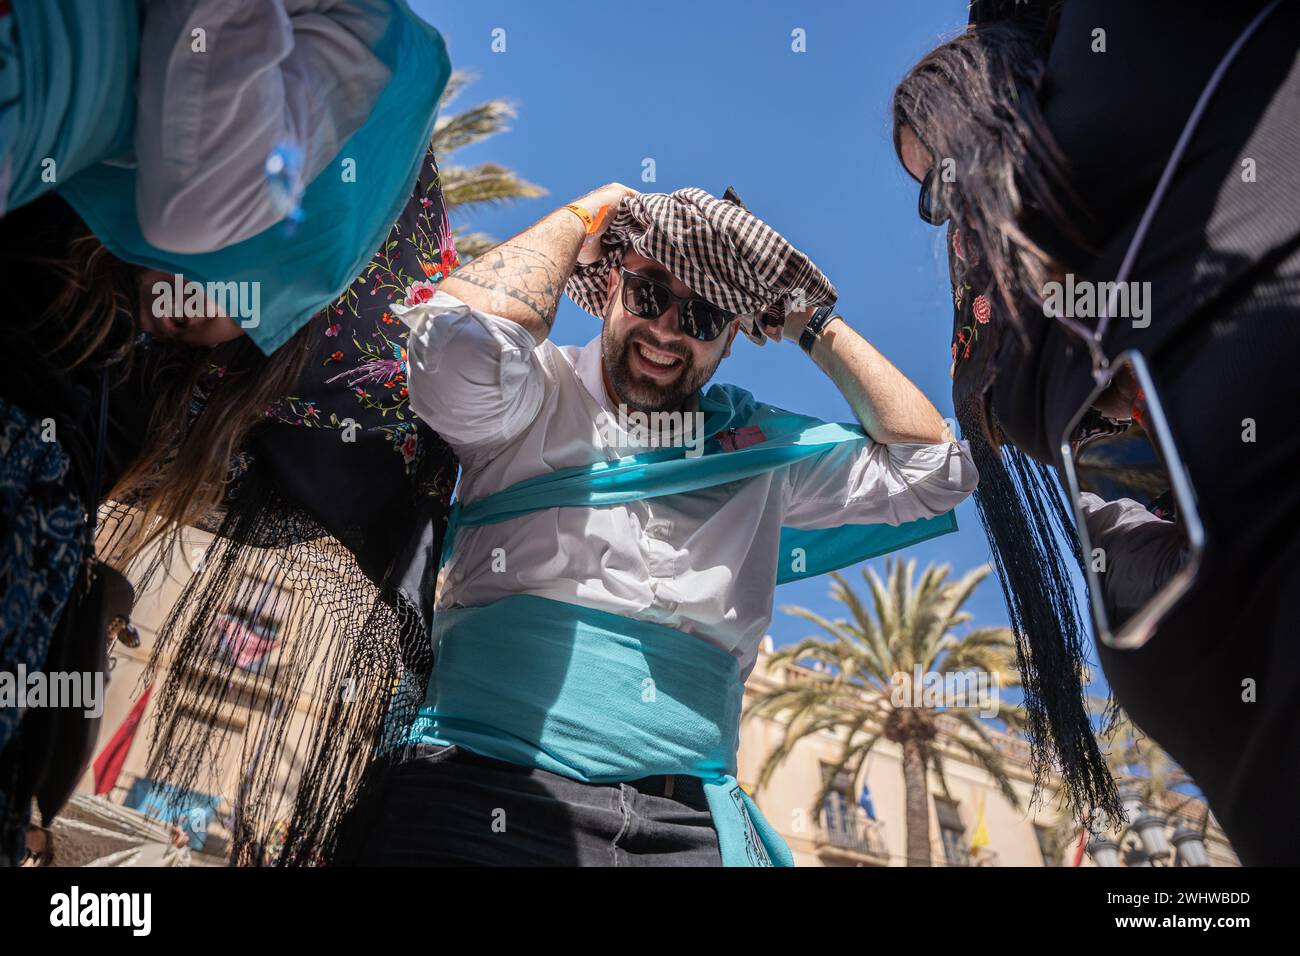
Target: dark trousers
{"points": [[444, 806]]}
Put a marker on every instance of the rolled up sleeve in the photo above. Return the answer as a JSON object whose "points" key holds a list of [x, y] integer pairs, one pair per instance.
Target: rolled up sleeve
{"points": [[869, 483], [1142, 551], [474, 377], [222, 83]]}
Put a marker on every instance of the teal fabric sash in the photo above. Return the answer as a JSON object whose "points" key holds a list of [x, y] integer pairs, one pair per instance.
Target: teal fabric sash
{"points": [[67, 89], [786, 439], [301, 272], [599, 698]]}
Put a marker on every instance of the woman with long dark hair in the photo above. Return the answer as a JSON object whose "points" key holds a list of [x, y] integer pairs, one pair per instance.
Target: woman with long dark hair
{"points": [[1054, 127], [85, 353], [310, 450]]}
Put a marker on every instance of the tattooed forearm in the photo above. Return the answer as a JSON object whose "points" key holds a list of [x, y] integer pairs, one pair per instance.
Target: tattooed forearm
{"points": [[523, 278], [530, 278]]}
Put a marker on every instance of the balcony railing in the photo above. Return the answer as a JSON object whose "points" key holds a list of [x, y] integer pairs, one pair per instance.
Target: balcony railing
{"points": [[851, 829], [962, 855]]}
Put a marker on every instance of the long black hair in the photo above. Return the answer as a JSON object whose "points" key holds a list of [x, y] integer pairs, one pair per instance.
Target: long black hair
{"points": [[974, 104], [974, 101]]}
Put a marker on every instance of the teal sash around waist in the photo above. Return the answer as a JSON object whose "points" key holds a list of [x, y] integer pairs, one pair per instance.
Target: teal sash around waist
{"points": [[345, 218], [779, 438], [67, 90], [595, 697]]}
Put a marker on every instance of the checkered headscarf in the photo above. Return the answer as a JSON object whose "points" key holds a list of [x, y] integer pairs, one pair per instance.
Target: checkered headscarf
{"points": [[718, 248]]}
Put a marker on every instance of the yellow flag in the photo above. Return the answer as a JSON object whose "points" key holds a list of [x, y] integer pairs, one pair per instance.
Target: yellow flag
{"points": [[980, 838]]}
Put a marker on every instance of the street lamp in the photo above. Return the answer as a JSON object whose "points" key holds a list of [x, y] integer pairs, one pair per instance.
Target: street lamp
{"points": [[1103, 850], [1191, 846], [1144, 840], [1150, 829]]}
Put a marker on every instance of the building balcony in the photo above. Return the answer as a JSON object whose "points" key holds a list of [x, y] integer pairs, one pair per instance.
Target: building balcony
{"points": [[851, 836]]}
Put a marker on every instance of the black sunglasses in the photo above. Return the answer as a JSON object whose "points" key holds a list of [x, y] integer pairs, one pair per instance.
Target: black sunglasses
{"points": [[646, 298], [929, 204]]}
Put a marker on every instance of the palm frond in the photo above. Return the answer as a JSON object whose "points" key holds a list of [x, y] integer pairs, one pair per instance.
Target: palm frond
{"points": [[464, 187], [986, 756], [474, 125], [906, 620], [471, 245], [467, 188], [458, 80]]}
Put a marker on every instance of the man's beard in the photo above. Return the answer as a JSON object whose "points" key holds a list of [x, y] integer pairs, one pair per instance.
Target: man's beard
{"points": [[639, 394]]}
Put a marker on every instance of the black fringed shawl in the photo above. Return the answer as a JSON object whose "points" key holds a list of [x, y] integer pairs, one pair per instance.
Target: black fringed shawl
{"points": [[332, 528], [1035, 550], [1028, 522]]}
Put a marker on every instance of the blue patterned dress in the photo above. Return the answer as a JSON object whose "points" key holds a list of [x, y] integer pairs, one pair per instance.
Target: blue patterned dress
{"points": [[42, 539]]}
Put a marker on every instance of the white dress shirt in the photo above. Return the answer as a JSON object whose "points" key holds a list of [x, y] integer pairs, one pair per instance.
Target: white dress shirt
{"points": [[704, 562], [1142, 552], [268, 72]]}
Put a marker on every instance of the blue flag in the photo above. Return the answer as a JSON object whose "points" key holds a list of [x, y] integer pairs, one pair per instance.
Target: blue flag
{"points": [[864, 801]]}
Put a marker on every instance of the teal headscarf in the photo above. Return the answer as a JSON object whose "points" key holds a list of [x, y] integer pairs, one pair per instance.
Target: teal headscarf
{"points": [[345, 219], [67, 90]]}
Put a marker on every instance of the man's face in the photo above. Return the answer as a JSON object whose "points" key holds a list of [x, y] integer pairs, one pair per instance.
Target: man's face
{"points": [[650, 364]]}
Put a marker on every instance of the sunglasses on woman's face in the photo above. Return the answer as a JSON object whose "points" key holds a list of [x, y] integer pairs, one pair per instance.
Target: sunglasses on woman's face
{"points": [[929, 204], [646, 298]]}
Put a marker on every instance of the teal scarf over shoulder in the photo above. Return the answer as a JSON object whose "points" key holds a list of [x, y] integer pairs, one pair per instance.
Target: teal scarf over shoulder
{"points": [[762, 438], [299, 273], [601, 698]]}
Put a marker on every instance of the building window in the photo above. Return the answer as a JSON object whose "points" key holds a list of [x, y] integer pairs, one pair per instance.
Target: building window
{"points": [[836, 808], [952, 832], [844, 824], [1046, 845]]}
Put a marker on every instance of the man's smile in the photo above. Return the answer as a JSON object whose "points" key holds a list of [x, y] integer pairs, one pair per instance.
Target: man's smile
{"points": [[654, 363]]}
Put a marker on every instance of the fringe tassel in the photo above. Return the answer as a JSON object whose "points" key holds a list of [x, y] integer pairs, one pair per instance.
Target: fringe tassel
{"points": [[351, 660], [1026, 519]]}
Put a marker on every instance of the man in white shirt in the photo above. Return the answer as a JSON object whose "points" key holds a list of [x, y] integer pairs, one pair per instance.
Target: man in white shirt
{"points": [[704, 563]]}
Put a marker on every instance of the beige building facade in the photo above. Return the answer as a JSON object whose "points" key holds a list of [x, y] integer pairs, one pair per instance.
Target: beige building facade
{"points": [[844, 834]]}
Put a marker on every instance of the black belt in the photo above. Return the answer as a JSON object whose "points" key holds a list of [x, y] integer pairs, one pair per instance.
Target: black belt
{"points": [[678, 786], [682, 787]]}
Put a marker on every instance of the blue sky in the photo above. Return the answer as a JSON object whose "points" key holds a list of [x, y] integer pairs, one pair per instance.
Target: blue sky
{"points": [[714, 94]]}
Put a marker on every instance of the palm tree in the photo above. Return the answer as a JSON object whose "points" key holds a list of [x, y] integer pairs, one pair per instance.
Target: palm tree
{"points": [[865, 658], [465, 188]]}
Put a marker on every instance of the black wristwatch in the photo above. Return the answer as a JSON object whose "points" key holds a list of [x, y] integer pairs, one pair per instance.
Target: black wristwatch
{"points": [[813, 330]]}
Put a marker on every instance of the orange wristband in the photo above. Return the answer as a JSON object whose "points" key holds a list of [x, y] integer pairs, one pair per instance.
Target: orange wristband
{"points": [[592, 223]]}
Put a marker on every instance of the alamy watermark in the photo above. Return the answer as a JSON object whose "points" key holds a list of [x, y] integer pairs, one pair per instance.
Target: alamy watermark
{"points": [[240, 301], [79, 690], [951, 690], [1084, 299], [133, 911], [639, 430]]}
